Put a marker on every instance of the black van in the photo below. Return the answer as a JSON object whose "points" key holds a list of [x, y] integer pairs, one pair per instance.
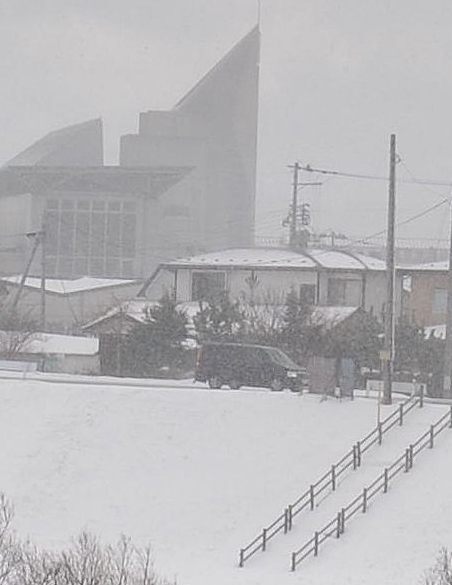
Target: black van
{"points": [[239, 364]]}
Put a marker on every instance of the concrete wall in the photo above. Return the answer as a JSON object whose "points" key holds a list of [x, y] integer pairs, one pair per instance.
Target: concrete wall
{"points": [[213, 129], [15, 220]]}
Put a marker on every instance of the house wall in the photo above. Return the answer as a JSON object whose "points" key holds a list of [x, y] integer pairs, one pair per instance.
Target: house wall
{"points": [[65, 313], [274, 284], [72, 364], [421, 303]]}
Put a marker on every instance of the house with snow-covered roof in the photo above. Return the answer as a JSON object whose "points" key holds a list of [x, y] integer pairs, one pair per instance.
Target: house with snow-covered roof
{"points": [[69, 302], [327, 277]]}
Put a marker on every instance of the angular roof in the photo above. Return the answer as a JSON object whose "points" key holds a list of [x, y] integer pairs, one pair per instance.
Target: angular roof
{"points": [[223, 79], [153, 181], [67, 286], [76, 145], [278, 258]]}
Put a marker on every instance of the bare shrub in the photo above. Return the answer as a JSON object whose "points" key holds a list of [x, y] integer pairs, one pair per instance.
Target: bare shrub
{"points": [[86, 562], [441, 572]]}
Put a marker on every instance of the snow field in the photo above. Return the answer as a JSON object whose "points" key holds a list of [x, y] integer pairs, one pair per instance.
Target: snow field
{"points": [[198, 473]]}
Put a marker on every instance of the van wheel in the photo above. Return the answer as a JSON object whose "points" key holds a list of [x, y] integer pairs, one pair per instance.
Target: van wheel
{"points": [[234, 385], [277, 385], [214, 383]]}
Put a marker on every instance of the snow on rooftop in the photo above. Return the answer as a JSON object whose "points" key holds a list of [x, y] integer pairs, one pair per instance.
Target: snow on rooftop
{"points": [[440, 266], [52, 343], [67, 286], [282, 258]]}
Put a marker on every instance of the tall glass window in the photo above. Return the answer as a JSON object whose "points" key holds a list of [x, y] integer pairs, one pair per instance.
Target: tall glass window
{"points": [[91, 237]]}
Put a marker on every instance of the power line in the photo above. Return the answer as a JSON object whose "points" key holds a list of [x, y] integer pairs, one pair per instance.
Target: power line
{"points": [[349, 175]]}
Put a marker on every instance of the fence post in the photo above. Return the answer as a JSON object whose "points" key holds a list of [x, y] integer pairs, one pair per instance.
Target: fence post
{"points": [[241, 558], [333, 477], [286, 520], [338, 525], [316, 543], [354, 456], [380, 433], [294, 561], [401, 414], [407, 460], [421, 396], [386, 478], [311, 496], [432, 436], [450, 424], [290, 514], [411, 455], [364, 500], [342, 520], [358, 453], [264, 539]]}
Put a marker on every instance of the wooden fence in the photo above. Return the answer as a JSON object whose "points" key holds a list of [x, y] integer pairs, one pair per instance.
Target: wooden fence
{"points": [[351, 460], [403, 464]]}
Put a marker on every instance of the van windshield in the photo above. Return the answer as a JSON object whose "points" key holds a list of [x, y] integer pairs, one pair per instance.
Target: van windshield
{"points": [[281, 358]]}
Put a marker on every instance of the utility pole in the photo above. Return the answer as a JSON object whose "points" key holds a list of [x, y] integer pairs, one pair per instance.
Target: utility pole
{"points": [[294, 209], [292, 220], [36, 242], [447, 386], [42, 238], [388, 354]]}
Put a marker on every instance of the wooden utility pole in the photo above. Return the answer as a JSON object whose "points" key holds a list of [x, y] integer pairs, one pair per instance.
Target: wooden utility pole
{"points": [[388, 354], [447, 385], [294, 207]]}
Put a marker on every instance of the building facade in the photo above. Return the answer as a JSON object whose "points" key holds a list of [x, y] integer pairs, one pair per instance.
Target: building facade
{"points": [[185, 183], [330, 278]]}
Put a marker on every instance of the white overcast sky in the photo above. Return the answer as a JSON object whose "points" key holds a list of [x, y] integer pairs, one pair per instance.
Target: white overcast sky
{"points": [[337, 77]]}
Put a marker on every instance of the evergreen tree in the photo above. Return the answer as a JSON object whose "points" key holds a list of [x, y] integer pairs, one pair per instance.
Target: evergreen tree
{"points": [[297, 332], [220, 319], [158, 342]]}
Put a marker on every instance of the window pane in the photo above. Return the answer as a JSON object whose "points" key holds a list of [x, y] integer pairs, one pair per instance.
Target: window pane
{"points": [[98, 234], [66, 247], [128, 235], [207, 285], [439, 300], [82, 234], [113, 234]]}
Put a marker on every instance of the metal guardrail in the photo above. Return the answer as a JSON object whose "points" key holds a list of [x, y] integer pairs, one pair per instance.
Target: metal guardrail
{"points": [[404, 463], [351, 460]]}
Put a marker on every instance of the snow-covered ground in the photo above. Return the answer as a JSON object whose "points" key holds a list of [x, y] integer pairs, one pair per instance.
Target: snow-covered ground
{"points": [[197, 473]]}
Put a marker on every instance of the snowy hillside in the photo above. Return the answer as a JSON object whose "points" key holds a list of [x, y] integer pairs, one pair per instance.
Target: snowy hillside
{"points": [[198, 473]]}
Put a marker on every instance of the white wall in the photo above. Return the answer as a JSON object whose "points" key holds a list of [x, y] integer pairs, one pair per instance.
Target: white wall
{"points": [[65, 313]]}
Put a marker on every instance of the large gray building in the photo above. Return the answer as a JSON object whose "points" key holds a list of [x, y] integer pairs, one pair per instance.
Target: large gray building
{"points": [[185, 183]]}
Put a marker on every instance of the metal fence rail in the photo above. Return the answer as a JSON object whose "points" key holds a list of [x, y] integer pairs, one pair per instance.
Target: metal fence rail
{"points": [[329, 480], [402, 464]]}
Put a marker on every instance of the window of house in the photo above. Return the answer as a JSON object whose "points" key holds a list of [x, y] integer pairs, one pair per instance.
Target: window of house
{"points": [[344, 292], [439, 303], [307, 293], [207, 285]]}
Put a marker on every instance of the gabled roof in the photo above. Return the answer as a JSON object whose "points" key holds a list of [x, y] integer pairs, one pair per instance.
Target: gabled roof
{"points": [[279, 258]]}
